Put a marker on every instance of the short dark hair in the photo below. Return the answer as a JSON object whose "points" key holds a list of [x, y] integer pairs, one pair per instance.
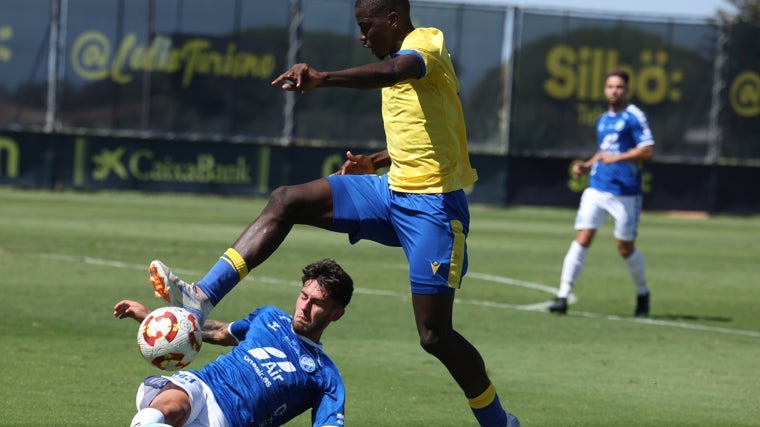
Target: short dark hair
{"points": [[389, 5], [332, 278], [619, 72]]}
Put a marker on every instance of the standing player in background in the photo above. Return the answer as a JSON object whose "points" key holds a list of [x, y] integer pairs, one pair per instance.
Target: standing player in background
{"points": [[276, 370], [614, 188], [419, 205]]}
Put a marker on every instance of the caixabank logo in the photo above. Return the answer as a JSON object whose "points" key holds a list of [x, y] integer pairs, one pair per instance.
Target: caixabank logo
{"points": [[96, 163]]}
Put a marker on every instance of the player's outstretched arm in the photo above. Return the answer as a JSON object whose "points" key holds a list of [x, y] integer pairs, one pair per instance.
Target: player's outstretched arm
{"points": [[304, 78], [213, 331], [638, 154], [130, 309], [216, 332]]}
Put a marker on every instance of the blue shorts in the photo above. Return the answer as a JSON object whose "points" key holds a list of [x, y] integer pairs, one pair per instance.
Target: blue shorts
{"points": [[431, 228]]}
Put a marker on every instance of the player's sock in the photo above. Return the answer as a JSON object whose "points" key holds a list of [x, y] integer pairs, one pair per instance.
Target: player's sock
{"points": [[487, 408], [635, 264], [571, 268], [228, 271], [147, 416]]}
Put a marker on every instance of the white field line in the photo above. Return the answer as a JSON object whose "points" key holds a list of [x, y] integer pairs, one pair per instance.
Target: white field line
{"points": [[540, 306]]}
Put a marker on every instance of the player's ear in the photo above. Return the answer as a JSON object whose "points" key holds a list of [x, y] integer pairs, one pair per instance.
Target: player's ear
{"points": [[337, 313]]}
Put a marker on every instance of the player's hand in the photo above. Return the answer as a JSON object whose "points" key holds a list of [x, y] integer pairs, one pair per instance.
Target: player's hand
{"points": [[579, 168], [299, 78], [130, 309], [356, 165]]}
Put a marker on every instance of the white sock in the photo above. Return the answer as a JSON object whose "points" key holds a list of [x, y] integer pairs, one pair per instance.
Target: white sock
{"points": [[571, 268], [635, 264], [147, 416]]}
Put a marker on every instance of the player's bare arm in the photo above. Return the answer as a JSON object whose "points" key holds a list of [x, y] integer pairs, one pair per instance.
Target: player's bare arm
{"points": [[127, 309], [369, 76], [213, 331], [359, 164], [638, 154], [580, 167], [216, 332]]}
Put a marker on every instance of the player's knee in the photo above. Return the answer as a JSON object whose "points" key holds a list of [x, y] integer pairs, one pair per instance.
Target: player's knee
{"points": [[430, 344], [175, 412], [282, 200], [433, 342], [625, 249]]}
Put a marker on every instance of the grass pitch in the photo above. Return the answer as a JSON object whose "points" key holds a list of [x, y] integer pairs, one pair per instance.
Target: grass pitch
{"points": [[66, 258]]}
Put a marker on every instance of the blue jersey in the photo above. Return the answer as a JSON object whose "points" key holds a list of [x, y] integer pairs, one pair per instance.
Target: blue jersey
{"points": [[273, 375], [618, 133]]}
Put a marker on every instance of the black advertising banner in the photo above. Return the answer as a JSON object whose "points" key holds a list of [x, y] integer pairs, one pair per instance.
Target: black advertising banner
{"points": [[24, 41], [128, 66], [741, 114], [666, 186], [211, 167], [560, 68]]}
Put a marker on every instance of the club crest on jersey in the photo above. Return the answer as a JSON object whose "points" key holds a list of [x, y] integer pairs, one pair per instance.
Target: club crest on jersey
{"points": [[307, 364]]}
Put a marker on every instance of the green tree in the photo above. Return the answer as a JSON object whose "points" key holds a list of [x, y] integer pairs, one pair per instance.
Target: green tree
{"points": [[746, 11]]}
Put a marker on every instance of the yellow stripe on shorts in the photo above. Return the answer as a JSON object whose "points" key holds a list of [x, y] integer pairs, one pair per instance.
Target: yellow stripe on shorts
{"points": [[457, 255]]}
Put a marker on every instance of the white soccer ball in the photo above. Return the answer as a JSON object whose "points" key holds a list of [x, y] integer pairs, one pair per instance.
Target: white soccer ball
{"points": [[169, 338]]}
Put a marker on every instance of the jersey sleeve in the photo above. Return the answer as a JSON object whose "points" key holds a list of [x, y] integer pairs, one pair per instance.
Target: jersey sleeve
{"points": [[329, 409], [642, 135], [425, 43], [239, 328], [423, 64]]}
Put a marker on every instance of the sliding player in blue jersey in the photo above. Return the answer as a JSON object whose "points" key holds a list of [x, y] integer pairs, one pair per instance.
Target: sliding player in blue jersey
{"points": [[419, 205], [614, 189], [276, 370]]}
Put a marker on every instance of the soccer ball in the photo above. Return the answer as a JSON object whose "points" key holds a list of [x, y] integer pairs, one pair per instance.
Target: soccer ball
{"points": [[169, 338]]}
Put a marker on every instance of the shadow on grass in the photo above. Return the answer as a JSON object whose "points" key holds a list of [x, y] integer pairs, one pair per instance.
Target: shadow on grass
{"points": [[674, 317]]}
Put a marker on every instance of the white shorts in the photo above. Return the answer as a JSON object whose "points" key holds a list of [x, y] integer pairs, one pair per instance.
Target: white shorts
{"points": [[624, 210], [204, 411]]}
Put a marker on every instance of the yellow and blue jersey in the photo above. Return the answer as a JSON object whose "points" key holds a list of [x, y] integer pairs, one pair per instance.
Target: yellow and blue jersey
{"points": [[424, 122]]}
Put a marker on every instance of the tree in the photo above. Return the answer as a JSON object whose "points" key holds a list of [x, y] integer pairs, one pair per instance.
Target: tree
{"points": [[746, 11]]}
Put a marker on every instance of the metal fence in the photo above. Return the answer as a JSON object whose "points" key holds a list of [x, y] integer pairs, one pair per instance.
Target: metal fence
{"points": [[531, 79]]}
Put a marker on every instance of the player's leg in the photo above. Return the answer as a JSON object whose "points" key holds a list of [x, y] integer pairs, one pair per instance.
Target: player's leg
{"points": [[626, 210], [589, 218], [434, 239], [433, 314], [159, 400], [309, 204], [174, 403]]}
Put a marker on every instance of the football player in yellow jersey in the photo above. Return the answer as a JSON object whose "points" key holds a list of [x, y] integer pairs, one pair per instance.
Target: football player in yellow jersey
{"points": [[419, 204]]}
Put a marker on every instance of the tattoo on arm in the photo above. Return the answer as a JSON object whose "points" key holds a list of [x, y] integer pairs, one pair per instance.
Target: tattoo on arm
{"points": [[216, 332]]}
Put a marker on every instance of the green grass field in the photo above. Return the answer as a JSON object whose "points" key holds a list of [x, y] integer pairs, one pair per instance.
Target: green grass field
{"points": [[66, 258]]}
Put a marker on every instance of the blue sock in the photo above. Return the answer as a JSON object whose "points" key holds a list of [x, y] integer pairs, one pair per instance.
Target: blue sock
{"points": [[487, 409], [228, 271]]}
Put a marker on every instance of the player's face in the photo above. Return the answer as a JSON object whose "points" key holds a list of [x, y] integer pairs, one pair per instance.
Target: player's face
{"points": [[314, 311], [375, 30], [615, 90]]}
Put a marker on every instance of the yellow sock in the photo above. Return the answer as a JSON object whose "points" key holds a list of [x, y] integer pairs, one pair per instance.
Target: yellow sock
{"points": [[484, 399], [236, 261]]}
